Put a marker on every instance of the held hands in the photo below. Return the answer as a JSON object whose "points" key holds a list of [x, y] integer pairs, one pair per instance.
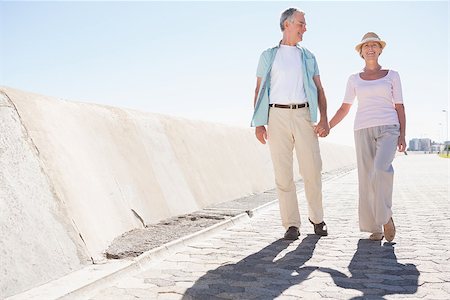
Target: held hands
{"points": [[322, 129], [261, 134]]}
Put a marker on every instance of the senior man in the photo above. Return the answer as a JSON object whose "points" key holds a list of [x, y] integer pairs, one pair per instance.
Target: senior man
{"points": [[287, 96]]}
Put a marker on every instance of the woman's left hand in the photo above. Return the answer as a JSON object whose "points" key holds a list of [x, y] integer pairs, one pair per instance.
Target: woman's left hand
{"points": [[401, 144]]}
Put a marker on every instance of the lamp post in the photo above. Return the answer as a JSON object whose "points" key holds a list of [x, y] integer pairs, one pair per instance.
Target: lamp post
{"points": [[446, 131]]}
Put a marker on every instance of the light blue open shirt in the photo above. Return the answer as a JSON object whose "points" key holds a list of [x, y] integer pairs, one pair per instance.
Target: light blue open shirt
{"points": [[310, 69]]}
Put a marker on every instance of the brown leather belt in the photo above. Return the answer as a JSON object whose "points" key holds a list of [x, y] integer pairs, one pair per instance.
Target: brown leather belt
{"points": [[291, 106]]}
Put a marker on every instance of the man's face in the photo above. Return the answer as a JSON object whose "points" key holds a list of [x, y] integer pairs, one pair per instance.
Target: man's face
{"points": [[296, 29]]}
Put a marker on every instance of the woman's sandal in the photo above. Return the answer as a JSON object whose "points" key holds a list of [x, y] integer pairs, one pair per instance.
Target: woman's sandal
{"points": [[377, 236], [389, 230]]}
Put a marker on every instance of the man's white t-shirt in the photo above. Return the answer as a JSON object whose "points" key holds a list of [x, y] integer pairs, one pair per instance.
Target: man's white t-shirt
{"points": [[376, 99], [286, 86]]}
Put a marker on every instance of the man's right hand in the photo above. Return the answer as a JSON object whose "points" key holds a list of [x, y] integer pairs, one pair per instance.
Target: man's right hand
{"points": [[261, 134]]}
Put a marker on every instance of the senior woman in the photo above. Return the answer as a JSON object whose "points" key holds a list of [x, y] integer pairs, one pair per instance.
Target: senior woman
{"points": [[379, 130]]}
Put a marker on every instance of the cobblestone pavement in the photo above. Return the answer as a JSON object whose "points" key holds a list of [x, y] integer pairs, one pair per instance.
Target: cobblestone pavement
{"points": [[250, 261]]}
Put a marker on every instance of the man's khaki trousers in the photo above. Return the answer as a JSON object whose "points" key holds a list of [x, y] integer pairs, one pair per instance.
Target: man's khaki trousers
{"points": [[375, 151], [289, 128]]}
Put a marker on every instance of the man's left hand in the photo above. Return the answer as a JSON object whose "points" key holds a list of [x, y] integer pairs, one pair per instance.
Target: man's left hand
{"points": [[322, 129]]}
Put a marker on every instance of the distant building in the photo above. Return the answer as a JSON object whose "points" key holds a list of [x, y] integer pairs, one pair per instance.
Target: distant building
{"points": [[437, 147], [413, 145], [420, 145]]}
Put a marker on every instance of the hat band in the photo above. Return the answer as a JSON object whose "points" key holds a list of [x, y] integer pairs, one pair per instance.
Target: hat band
{"points": [[370, 40]]}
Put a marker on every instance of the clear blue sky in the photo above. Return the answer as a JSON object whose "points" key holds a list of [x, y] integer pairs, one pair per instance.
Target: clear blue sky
{"points": [[198, 59]]}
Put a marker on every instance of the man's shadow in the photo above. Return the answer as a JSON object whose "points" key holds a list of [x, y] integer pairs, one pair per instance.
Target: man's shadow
{"points": [[261, 273], [376, 272]]}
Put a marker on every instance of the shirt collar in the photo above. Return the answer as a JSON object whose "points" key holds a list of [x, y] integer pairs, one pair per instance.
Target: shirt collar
{"points": [[279, 43]]}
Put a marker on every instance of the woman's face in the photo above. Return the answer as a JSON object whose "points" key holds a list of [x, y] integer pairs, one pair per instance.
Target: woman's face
{"points": [[371, 50]]}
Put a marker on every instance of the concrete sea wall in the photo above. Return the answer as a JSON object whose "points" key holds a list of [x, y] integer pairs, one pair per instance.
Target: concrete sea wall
{"points": [[74, 176]]}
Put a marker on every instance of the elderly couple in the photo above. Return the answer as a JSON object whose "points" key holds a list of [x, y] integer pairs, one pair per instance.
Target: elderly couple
{"points": [[287, 96]]}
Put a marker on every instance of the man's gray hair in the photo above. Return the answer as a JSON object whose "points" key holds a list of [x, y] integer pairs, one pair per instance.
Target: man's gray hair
{"points": [[288, 14]]}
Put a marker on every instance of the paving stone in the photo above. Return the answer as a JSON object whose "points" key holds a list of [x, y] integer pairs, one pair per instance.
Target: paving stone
{"points": [[223, 287], [372, 292], [169, 296], [125, 294], [339, 296], [293, 293], [171, 290], [160, 282], [386, 277], [386, 287], [133, 282]]}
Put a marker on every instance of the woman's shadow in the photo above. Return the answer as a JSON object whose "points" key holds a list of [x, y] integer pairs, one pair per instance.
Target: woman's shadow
{"points": [[261, 274], [376, 272], [266, 274]]}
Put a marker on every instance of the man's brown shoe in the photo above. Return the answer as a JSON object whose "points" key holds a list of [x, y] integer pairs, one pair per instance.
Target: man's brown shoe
{"points": [[292, 233], [320, 229], [389, 230]]}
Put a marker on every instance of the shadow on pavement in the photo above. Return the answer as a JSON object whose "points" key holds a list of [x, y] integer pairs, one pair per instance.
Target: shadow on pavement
{"points": [[376, 272], [259, 275]]}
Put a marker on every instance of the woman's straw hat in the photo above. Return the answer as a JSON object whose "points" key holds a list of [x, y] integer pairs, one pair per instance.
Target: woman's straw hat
{"points": [[370, 37]]}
